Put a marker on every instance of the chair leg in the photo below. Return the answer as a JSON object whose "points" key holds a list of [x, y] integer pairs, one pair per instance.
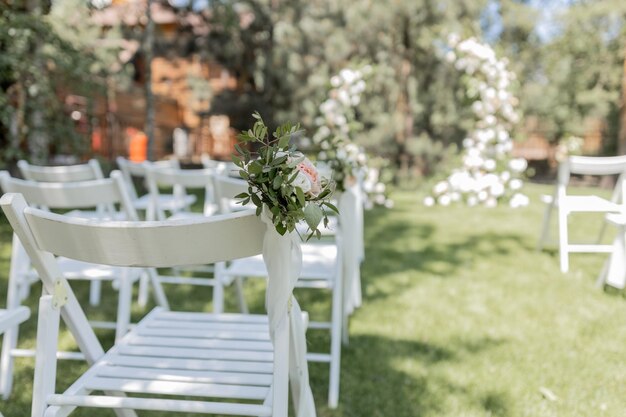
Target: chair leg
{"points": [[9, 342], [142, 298], [125, 298], [218, 296], [241, 299], [336, 326], [45, 355], [545, 227], [563, 242], [159, 294], [18, 282], [95, 292], [614, 270]]}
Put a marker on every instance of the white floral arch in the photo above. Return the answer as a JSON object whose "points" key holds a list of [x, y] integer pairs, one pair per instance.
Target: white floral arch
{"points": [[488, 174]]}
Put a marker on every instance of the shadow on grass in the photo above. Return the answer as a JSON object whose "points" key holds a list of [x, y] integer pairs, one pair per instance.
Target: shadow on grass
{"points": [[410, 246], [406, 379]]}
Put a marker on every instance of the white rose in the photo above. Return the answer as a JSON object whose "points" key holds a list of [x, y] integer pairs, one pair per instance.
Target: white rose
{"points": [[516, 184], [440, 187], [518, 164], [302, 181], [444, 200], [429, 201], [497, 190], [489, 165], [519, 200]]}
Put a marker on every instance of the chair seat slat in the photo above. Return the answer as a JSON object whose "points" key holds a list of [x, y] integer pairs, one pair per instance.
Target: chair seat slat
{"points": [[194, 389], [190, 353], [189, 364], [179, 316], [158, 404], [192, 333], [201, 343], [210, 326], [180, 375]]}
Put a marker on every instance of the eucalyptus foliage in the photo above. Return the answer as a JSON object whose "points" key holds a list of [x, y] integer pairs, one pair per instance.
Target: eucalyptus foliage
{"points": [[274, 175]]}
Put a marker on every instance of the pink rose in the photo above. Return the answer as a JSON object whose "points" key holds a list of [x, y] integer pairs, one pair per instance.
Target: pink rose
{"points": [[307, 168]]}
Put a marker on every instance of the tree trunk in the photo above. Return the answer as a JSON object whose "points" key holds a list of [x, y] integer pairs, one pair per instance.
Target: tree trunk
{"points": [[38, 141], [621, 144], [148, 48]]}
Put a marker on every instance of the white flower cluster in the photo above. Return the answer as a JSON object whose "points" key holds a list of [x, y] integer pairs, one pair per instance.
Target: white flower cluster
{"points": [[488, 174], [572, 145], [336, 125], [337, 112]]}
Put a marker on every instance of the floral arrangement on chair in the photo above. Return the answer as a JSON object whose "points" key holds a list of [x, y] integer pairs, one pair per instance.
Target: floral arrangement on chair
{"points": [[282, 180]]}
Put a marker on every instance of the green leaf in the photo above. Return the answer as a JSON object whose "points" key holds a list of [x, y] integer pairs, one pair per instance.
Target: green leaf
{"points": [[255, 167], [313, 215], [331, 206], [279, 160], [300, 196], [277, 182], [293, 177], [241, 195], [237, 160], [284, 141], [281, 229]]}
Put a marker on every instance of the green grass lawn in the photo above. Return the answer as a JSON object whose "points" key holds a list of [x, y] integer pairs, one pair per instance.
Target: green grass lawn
{"points": [[461, 317]]}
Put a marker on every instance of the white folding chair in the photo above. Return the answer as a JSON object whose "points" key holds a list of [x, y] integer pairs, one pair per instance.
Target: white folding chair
{"points": [[91, 170], [566, 204], [325, 266], [173, 203], [185, 180], [69, 173], [220, 167], [171, 361], [64, 196]]}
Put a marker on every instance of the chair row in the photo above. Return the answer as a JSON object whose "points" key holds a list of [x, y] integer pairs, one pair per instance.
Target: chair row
{"points": [[325, 266]]}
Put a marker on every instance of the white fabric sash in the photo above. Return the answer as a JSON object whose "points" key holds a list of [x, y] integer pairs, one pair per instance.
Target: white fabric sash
{"points": [[352, 246], [283, 272]]}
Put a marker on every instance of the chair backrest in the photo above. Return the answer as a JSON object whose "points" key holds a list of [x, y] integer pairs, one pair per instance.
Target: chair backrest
{"points": [[226, 188], [132, 170], [125, 243], [593, 165], [180, 180], [596, 165], [220, 167], [70, 173], [73, 195]]}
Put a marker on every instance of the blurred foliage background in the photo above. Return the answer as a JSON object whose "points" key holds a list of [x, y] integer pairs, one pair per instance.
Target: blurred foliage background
{"points": [[568, 56]]}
